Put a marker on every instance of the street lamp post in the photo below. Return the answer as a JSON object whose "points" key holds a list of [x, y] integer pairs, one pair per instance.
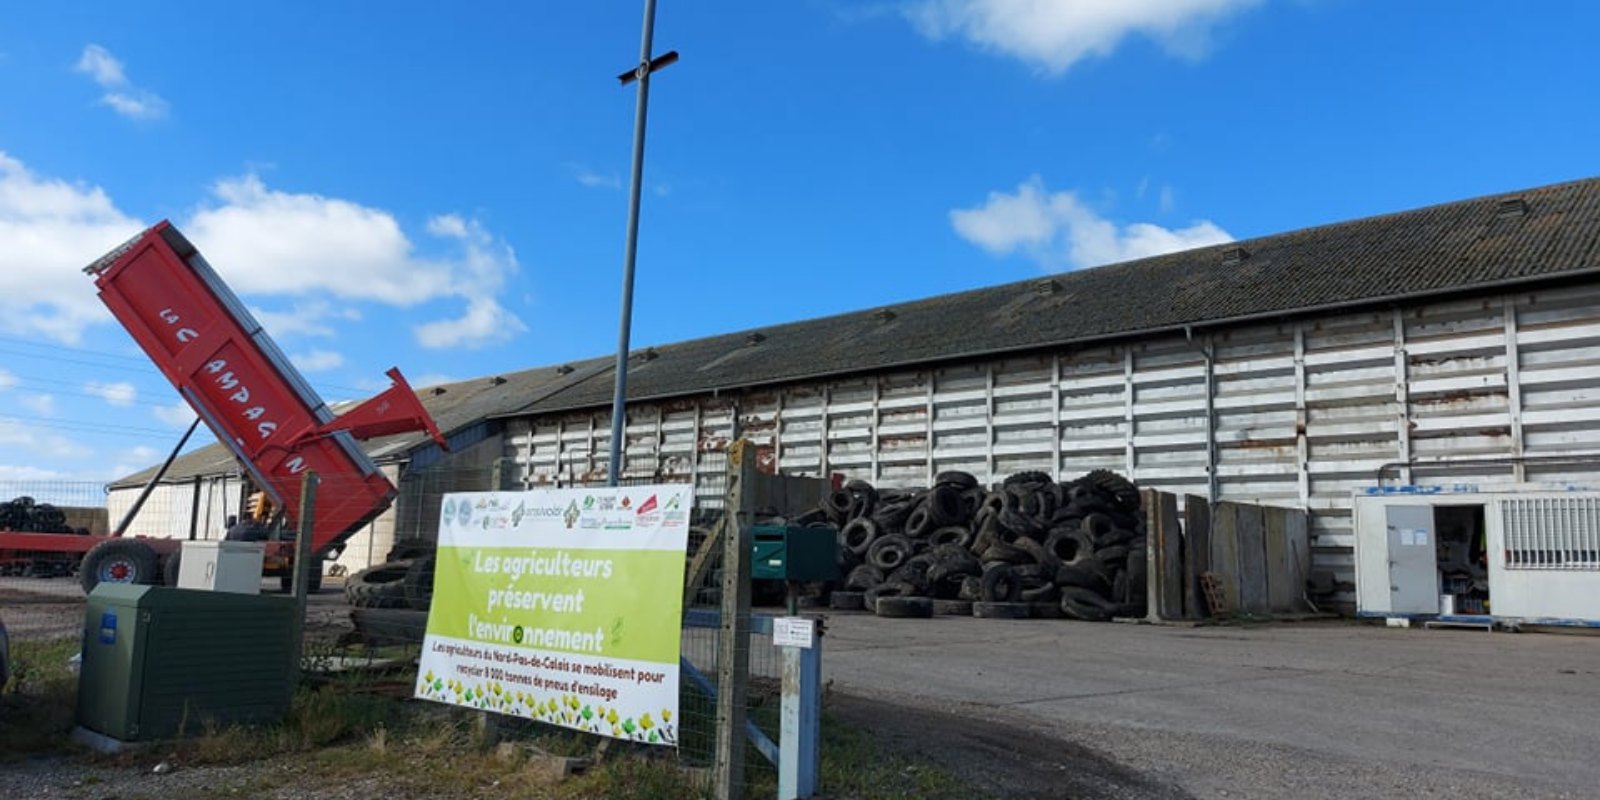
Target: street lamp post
{"points": [[641, 74]]}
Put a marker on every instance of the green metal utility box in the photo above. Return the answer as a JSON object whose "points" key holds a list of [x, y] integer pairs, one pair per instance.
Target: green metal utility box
{"points": [[162, 662], [787, 552]]}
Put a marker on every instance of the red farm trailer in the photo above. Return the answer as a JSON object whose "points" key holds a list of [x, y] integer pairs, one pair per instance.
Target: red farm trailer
{"points": [[239, 383]]}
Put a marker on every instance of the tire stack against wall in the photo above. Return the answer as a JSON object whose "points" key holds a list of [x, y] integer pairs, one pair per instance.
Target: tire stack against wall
{"points": [[23, 514], [1031, 547]]}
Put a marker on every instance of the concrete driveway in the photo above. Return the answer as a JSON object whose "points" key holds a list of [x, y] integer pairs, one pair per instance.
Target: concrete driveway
{"points": [[1323, 709]]}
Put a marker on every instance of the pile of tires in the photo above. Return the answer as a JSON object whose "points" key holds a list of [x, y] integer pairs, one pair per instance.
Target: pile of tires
{"points": [[1030, 547], [23, 514], [405, 580]]}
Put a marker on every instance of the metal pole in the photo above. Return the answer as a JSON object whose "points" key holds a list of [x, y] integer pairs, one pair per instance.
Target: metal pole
{"points": [[138, 503], [619, 396], [302, 560]]}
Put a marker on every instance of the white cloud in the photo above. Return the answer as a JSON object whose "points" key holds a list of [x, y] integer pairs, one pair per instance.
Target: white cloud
{"points": [[430, 379], [7, 380], [24, 474], [485, 264], [98, 63], [117, 394], [264, 242], [1055, 34], [52, 229], [140, 105], [177, 415], [306, 318], [269, 242], [594, 181], [485, 322], [137, 459], [123, 97], [317, 361], [1058, 230], [22, 438], [42, 404]]}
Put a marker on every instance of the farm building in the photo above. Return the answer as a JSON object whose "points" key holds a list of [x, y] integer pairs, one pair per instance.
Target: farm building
{"points": [[1455, 344]]}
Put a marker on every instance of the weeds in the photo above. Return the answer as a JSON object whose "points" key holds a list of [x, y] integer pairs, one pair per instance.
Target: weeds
{"points": [[367, 729], [37, 705]]}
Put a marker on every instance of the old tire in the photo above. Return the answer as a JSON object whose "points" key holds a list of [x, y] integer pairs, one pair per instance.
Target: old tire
{"points": [[904, 607], [890, 551], [1087, 605], [1000, 584], [119, 561], [992, 610], [959, 535], [381, 586], [171, 567], [1083, 576], [959, 479], [858, 534], [863, 578], [871, 597], [419, 584], [952, 608], [846, 601]]}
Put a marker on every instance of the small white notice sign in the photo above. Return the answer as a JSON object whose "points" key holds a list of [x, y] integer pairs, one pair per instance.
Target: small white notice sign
{"points": [[793, 632]]}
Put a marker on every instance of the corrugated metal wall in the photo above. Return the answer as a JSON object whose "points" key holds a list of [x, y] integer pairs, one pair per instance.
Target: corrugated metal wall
{"points": [[1295, 413], [170, 507]]}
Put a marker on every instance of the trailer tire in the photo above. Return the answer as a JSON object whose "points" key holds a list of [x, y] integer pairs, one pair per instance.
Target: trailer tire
{"points": [[381, 586], [952, 608], [171, 568], [846, 601], [119, 561]]}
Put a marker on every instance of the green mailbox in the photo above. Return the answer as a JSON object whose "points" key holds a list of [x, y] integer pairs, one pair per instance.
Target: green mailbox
{"points": [[790, 553]]}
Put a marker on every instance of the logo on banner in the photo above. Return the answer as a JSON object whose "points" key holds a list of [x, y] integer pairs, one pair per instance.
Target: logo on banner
{"points": [[649, 514]]}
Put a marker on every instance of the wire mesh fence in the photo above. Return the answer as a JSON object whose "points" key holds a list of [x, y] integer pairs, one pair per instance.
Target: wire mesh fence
{"points": [[368, 607]]}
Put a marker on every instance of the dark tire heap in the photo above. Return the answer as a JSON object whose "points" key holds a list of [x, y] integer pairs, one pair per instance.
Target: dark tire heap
{"points": [[403, 580], [23, 514], [1030, 547]]}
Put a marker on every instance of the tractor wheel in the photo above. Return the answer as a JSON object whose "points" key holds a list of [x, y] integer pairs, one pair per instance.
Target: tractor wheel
{"points": [[119, 561]]}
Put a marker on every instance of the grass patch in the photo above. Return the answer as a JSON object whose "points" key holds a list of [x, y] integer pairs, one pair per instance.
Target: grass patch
{"points": [[367, 731], [38, 703], [854, 765]]}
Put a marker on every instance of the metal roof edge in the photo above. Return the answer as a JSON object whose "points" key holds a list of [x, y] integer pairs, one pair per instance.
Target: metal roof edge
{"points": [[1369, 302]]}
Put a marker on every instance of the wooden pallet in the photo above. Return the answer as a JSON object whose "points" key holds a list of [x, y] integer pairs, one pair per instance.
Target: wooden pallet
{"points": [[1211, 586]]}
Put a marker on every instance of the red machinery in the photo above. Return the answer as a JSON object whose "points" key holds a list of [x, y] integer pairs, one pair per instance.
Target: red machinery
{"points": [[209, 346]]}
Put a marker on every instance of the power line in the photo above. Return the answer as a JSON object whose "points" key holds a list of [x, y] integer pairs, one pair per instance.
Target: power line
{"points": [[87, 427], [70, 349], [27, 382]]}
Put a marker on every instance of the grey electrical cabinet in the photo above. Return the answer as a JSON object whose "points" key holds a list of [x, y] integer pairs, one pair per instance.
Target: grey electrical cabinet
{"points": [[162, 662]]}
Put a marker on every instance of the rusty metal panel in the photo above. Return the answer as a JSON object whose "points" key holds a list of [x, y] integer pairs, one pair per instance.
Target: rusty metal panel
{"points": [[1196, 552], [1284, 580], [1252, 559]]}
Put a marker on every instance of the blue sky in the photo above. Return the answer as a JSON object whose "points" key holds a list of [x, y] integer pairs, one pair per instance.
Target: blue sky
{"points": [[443, 188]]}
